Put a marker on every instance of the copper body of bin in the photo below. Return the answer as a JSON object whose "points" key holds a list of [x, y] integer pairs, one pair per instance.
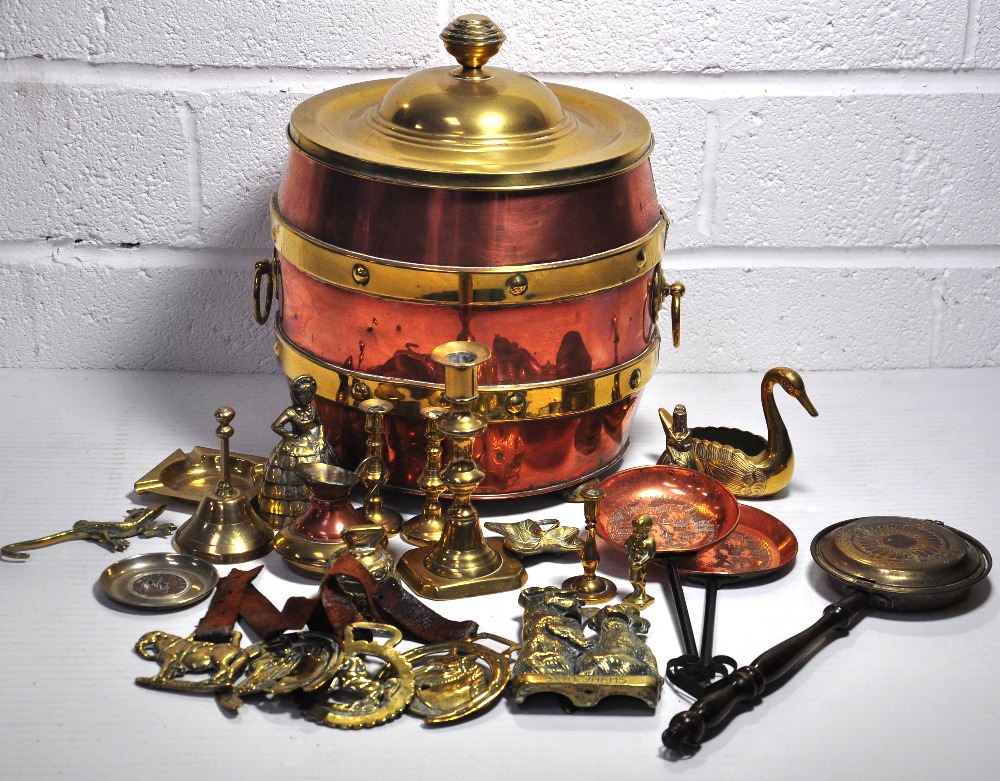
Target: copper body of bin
{"points": [[389, 242]]}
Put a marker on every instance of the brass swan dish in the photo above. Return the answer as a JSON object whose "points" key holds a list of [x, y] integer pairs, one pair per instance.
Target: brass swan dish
{"points": [[747, 464]]}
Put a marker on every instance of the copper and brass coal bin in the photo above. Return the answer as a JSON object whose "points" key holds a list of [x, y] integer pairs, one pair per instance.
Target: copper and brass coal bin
{"points": [[476, 204]]}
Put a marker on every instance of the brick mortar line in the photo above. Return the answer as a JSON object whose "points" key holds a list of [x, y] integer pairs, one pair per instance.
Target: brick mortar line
{"points": [[971, 42], [65, 252], [695, 85]]}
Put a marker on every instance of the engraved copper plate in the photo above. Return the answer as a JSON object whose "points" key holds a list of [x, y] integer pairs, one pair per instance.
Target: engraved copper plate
{"points": [[159, 580], [758, 546], [690, 510]]}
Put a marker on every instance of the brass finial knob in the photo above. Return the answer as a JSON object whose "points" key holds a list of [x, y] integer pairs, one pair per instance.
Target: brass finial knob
{"points": [[472, 39]]}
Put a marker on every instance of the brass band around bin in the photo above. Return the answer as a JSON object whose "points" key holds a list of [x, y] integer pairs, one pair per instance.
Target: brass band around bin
{"points": [[569, 396], [502, 285]]}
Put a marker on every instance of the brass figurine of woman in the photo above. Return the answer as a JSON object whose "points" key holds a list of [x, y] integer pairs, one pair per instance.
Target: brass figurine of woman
{"points": [[283, 496]]}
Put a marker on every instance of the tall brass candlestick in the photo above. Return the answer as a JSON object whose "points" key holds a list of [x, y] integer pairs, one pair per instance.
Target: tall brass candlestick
{"points": [[373, 470], [590, 587], [462, 563], [426, 528]]}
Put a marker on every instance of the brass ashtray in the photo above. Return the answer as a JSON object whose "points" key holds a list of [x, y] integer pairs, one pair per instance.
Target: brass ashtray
{"points": [[159, 581], [188, 477], [529, 538]]}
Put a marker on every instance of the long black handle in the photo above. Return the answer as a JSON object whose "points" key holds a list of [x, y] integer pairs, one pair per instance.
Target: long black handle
{"points": [[747, 683], [680, 605]]}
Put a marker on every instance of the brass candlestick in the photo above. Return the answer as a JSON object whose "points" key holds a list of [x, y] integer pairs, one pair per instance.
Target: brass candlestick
{"points": [[591, 588], [224, 529], [373, 470], [426, 528], [462, 563]]}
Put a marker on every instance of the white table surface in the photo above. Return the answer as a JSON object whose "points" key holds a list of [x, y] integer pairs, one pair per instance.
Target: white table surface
{"points": [[900, 696]]}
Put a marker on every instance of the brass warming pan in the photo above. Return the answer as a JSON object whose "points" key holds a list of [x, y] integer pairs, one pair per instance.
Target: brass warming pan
{"points": [[472, 203], [885, 562]]}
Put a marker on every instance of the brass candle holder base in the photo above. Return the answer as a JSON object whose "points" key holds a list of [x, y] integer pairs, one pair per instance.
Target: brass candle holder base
{"points": [[592, 589], [421, 531], [412, 568]]}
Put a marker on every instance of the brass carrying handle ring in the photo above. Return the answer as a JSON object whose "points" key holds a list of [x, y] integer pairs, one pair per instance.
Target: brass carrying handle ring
{"points": [[261, 269], [677, 291]]}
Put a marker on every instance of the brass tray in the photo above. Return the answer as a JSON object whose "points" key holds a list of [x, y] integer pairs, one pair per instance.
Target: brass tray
{"points": [[189, 476], [159, 581]]}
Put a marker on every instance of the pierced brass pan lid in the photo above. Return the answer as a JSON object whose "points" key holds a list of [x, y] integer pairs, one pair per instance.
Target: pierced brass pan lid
{"points": [[471, 127], [893, 555]]}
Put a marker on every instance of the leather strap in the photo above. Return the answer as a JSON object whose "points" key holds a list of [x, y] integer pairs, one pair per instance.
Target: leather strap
{"points": [[347, 594]]}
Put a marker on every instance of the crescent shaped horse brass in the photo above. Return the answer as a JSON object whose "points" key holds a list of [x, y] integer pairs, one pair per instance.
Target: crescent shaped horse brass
{"points": [[457, 679]]}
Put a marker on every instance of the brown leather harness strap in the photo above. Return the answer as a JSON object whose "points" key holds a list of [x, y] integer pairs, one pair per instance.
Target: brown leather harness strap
{"points": [[347, 594]]}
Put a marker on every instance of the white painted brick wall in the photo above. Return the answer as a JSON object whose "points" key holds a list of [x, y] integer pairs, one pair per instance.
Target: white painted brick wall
{"points": [[552, 36], [872, 170], [831, 169]]}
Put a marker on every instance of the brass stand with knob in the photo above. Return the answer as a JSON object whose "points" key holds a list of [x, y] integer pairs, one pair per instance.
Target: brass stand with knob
{"points": [[373, 470], [589, 587], [426, 528], [462, 563], [224, 529]]}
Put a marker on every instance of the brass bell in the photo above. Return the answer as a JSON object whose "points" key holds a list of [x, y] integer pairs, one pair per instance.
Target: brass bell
{"points": [[224, 529]]}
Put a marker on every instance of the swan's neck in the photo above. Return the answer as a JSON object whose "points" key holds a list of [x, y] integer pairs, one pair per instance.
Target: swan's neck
{"points": [[779, 447]]}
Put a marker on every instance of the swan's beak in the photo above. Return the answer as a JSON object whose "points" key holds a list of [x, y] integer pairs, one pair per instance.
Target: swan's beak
{"points": [[667, 421], [805, 402]]}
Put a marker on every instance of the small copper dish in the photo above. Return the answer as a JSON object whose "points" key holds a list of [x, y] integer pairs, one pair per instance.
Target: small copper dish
{"points": [[159, 581], [690, 510], [530, 538], [760, 545], [188, 477]]}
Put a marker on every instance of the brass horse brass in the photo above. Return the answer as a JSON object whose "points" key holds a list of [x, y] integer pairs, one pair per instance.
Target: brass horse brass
{"points": [[456, 680]]}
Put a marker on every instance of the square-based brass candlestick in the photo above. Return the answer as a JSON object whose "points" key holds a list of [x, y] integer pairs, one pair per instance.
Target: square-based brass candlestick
{"points": [[462, 563]]}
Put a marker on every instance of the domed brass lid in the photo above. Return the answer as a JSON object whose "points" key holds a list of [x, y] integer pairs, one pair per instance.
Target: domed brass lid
{"points": [[905, 556], [471, 127]]}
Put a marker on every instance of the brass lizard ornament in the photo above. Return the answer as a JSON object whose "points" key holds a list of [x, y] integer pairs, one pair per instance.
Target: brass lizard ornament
{"points": [[139, 522]]}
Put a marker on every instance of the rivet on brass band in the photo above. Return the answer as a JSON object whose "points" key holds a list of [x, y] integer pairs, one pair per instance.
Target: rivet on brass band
{"points": [[535, 283], [360, 391], [515, 403], [360, 274], [517, 284], [570, 396]]}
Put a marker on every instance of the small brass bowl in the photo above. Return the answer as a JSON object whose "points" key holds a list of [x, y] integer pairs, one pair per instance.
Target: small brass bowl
{"points": [[690, 510], [159, 581]]}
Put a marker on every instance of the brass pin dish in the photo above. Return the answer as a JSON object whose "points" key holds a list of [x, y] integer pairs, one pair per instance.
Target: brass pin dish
{"points": [[187, 477], [159, 581], [531, 538]]}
